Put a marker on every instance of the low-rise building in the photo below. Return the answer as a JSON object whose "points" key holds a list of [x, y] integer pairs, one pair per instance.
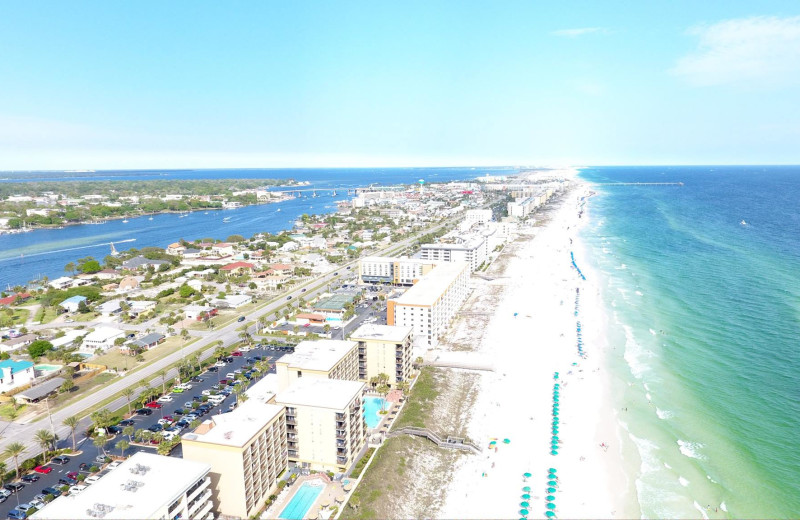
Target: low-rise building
{"points": [[333, 307], [393, 270], [247, 451], [145, 485], [326, 359], [232, 301], [137, 307], [14, 374], [101, 338], [146, 342], [430, 305], [383, 349], [128, 283], [325, 425], [72, 303], [237, 268], [110, 307]]}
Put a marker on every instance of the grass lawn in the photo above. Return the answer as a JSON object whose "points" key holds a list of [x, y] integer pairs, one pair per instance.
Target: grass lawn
{"points": [[81, 317], [82, 390], [115, 359], [46, 315], [5, 410], [20, 316]]}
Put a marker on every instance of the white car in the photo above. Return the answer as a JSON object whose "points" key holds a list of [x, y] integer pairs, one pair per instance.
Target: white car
{"points": [[74, 490], [244, 349], [38, 504], [91, 479], [206, 392], [219, 364], [185, 386], [168, 436], [165, 399]]}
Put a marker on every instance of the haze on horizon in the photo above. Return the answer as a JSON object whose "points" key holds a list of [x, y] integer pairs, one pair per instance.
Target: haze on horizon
{"points": [[106, 85]]}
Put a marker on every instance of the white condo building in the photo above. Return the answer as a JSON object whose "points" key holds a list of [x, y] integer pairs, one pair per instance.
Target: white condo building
{"points": [[473, 249], [144, 486], [430, 305]]}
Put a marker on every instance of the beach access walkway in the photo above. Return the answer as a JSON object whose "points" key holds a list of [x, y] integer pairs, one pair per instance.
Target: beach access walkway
{"points": [[450, 443]]}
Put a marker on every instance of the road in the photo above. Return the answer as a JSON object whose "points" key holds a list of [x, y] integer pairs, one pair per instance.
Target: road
{"points": [[10, 432]]}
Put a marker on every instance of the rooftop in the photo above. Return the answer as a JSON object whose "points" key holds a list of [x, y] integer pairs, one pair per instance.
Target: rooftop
{"points": [[430, 287], [236, 428], [74, 299], [318, 355], [15, 366], [335, 394], [103, 333], [335, 302], [158, 482], [376, 332], [153, 337]]}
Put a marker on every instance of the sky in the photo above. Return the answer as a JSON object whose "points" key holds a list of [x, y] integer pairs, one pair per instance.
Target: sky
{"points": [[205, 84]]}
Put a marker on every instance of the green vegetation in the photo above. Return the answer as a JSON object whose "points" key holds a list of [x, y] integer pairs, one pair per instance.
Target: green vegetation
{"points": [[359, 467], [420, 403], [39, 348]]}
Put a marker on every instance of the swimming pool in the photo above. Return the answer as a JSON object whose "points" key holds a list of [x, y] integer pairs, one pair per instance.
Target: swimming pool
{"points": [[372, 407], [46, 368], [302, 500]]}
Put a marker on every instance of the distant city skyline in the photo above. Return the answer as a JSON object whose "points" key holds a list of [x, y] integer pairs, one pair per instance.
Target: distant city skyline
{"points": [[98, 85]]}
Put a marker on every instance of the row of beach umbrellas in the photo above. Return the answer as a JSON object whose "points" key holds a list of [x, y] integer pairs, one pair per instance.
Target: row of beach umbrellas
{"points": [[577, 298], [581, 353]]}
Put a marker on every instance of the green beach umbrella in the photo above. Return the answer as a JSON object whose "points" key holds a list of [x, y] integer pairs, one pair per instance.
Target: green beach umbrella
{"points": [[555, 399], [552, 483], [526, 496], [523, 512], [549, 498], [523, 504], [551, 490], [554, 452], [552, 470], [526, 489], [551, 506], [507, 441], [526, 475], [549, 514]]}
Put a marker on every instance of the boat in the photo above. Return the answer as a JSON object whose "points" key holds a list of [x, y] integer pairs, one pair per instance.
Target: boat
{"points": [[125, 221], [226, 219], [114, 251], [743, 223], [151, 218], [277, 210]]}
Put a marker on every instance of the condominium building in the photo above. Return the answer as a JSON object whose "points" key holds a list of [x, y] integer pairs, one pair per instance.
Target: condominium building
{"points": [[325, 359], [325, 424], [393, 270], [523, 206], [146, 485], [246, 450], [473, 249], [383, 349], [430, 305], [478, 216]]}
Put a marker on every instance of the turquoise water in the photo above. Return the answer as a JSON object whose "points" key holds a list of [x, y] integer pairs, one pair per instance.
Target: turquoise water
{"points": [[46, 368], [372, 407], [704, 323], [301, 502]]}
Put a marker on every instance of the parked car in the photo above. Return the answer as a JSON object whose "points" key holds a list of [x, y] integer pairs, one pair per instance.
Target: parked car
{"points": [[16, 514], [38, 504], [214, 368], [25, 507], [114, 429], [241, 318], [51, 491], [61, 460], [92, 479], [126, 422], [144, 411], [66, 481], [100, 459], [153, 404], [74, 490], [84, 466], [165, 399], [43, 469], [188, 404], [185, 386], [177, 390], [14, 487], [156, 428], [73, 475], [196, 379], [236, 353], [180, 411], [31, 477]]}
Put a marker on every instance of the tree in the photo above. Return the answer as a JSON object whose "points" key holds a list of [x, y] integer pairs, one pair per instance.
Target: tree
{"points": [[14, 450], [91, 267], [123, 445], [72, 423], [129, 432], [39, 348], [3, 473], [66, 386], [186, 291], [70, 268], [163, 376], [101, 418], [45, 439], [128, 393], [82, 307], [100, 443]]}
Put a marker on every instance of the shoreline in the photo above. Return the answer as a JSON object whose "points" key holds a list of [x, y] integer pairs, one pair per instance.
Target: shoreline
{"points": [[516, 401]]}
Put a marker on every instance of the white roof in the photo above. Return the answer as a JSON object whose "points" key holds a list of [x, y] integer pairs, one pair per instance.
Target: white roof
{"points": [[141, 304], [103, 334], [166, 479], [389, 333], [320, 393], [69, 336], [111, 305], [265, 389], [465, 243], [430, 287], [318, 355], [236, 428]]}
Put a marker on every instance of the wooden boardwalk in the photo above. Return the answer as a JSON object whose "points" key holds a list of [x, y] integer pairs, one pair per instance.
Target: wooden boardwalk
{"points": [[450, 443]]}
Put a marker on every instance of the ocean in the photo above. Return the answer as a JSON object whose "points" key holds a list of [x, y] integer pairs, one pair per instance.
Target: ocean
{"points": [[44, 252], [701, 284]]}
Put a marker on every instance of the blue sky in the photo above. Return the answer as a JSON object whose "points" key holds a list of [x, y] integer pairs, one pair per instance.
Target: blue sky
{"points": [[92, 85]]}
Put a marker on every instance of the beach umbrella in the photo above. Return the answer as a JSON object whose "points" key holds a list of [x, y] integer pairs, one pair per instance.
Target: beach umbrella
{"points": [[552, 476], [526, 496], [523, 512], [549, 498], [554, 452], [526, 489], [555, 399], [552, 470], [507, 441], [555, 414], [523, 504], [552, 483], [551, 506], [555, 438], [549, 514], [551, 490], [526, 475]]}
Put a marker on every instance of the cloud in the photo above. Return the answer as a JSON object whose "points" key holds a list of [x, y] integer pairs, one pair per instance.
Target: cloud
{"points": [[574, 33], [762, 51]]}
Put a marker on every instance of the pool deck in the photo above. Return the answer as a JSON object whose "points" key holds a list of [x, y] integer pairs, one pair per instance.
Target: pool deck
{"points": [[329, 495]]}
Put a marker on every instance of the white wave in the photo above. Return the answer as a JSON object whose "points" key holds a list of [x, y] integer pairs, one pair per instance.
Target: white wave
{"points": [[667, 466], [711, 479], [702, 511], [723, 507], [664, 414], [691, 449], [639, 293], [647, 395], [634, 354], [621, 267], [646, 387], [683, 481], [653, 332]]}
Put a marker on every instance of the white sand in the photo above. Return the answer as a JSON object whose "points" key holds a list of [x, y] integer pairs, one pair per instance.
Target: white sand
{"points": [[515, 401]]}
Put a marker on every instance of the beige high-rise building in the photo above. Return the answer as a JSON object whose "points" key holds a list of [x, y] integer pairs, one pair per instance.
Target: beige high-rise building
{"points": [[383, 349], [326, 359], [430, 305], [247, 451], [325, 423]]}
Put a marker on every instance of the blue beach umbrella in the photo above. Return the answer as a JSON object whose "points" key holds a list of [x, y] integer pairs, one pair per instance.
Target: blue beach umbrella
{"points": [[523, 512], [554, 452], [551, 506], [526, 489], [549, 514], [552, 483], [551, 490], [552, 470], [526, 496], [523, 504], [549, 498]]}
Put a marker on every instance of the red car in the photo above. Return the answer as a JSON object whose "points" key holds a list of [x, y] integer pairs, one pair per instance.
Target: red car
{"points": [[223, 381], [43, 469], [73, 475], [236, 353], [169, 418], [153, 404]]}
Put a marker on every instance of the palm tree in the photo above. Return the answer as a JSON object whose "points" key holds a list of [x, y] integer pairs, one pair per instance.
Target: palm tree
{"points": [[3, 473], [128, 393], [100, 443], [44, 438], [14, 450], [123, 445], [163, 375], [129, 431], [72, 423]]}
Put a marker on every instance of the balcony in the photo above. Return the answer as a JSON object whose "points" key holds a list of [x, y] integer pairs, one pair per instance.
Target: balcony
{"points": [[341, 443], [293, 453], [195, 504], [197, 488], [341, 460], [341, 434], [340, 417]]}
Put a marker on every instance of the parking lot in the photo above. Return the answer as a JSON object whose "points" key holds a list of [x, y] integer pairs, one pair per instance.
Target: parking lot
{"points": [[170, 412]]}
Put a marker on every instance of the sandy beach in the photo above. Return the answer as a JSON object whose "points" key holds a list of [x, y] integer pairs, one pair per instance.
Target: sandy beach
{"points": [[531, 335]]}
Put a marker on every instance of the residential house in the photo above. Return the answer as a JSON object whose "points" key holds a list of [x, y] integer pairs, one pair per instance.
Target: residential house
{"points": [[237, 268], [138, 307], [110, 307], [222, 249], [141, 263], [232, 301], [14, 374], [142, 344], [14, 299], [101, 338], [129, 283], [63, 282], [72, 303]]}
